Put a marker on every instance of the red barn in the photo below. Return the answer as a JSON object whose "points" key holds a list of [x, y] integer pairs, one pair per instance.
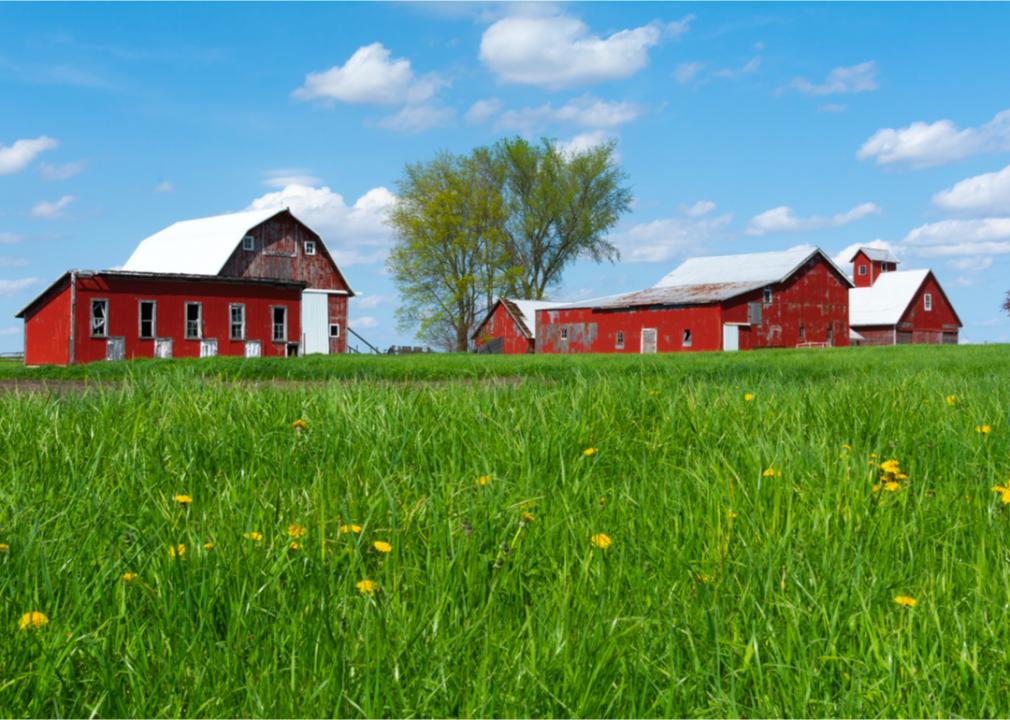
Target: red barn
{"points": [[509, 326], [251, 283], [795, 298], [891, 307]]}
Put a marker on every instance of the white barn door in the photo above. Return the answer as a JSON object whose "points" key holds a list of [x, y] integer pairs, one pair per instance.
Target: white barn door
{"points": [[315, 323], [648, 340], [730, 337]]}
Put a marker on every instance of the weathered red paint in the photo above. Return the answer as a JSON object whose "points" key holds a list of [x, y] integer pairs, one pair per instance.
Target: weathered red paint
{"points": [[500, 323], [337, 305], [48, 342], [815, 298], [866, 271], [940, 325]]}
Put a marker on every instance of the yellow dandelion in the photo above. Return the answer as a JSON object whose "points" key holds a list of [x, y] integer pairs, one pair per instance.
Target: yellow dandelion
{"points": [[747, 397], [891, 486], [890, 466], [129, 576], [382, 546], [528, 517], [352, 528], [589, 452], [254, 536], [952, 399], [367, 587], [600, 540], [876, 487], [182, 499], [177, 551], [299, 425], [208, 546], [295, 530], [1004, 493], [4, 547], [294, 546], [484, 480], [983, 429], [846, 446], [873, 455], [771, 472], [731, 515], [906, 601], [33, 620]]}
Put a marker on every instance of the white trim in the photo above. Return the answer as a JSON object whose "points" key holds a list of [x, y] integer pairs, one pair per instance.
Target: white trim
{"points": [[199, 320], [325, 292]]}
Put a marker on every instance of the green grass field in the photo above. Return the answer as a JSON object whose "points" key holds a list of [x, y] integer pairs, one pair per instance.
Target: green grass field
{"points": [[752, 569]]}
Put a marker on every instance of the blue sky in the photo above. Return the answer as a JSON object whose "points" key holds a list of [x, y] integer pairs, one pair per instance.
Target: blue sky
{"points": [[742, 127]]}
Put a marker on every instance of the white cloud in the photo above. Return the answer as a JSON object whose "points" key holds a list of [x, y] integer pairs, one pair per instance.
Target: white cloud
{"points": [[978, 237], [17, 156], [483, 110], [65, 171], [666, 238], [368, 76], [586, 111], [686, 72], [13, 287], [367, 302], [971, 264], [7, 238], [583, 142], [844, 257], [988, 193], [417, 118], [354, 234], [9, 262], [365, 322], [282, 177], [748, 68], [923, 144], [784, 219], [164, 187], [852, 79], [52, 209], [676, 28], [13, 330], [559, 51]]}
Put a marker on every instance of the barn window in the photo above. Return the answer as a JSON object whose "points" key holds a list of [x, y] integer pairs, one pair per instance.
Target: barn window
{"points": [[310, 247], [248, 243], [927, 302], [334, 330], [831, 332], [803, 333], [280, 323], [687, 338], [564, 333], [620, 340], [767, 296], [147, 330], [862, 270], [99, 318], [236, 323], [194, 313]]}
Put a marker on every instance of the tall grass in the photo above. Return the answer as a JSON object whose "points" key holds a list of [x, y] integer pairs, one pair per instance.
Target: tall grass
{"points": [[727, 591]]}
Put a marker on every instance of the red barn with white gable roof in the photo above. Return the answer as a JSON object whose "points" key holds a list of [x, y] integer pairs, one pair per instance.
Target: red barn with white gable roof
{"points": [[509, 327], [795, 298], [251, 283]]}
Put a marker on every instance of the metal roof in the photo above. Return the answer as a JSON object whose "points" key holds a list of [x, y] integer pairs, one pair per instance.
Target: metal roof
{"points": [[524, 312], [196, 247], [878, 254], [884, 302]]}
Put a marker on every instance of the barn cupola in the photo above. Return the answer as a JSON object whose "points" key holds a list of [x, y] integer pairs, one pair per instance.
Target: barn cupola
{"points": [[869, 263]]}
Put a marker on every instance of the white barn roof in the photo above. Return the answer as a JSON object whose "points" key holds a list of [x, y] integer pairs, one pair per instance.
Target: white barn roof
{"points": [[884, 302], [750, 269], [196, 247]]}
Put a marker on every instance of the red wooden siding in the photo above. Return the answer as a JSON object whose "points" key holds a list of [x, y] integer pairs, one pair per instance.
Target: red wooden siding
{"points": [[873, 269], [337, 306], [936, 326], [171, 296], [279, 254], [500, 324], [47, 330], [595, 331]]}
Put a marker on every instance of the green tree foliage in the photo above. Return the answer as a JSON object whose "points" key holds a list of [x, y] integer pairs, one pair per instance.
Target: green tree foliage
{"points": [[505, 220]]}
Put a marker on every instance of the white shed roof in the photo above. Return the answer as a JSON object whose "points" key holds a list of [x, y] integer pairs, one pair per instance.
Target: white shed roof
{"points": [[196, 247], [752, 269], [878, 254], [884, 302]]}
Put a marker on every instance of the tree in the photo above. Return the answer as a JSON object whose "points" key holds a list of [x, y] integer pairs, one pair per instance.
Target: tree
{"points": [[448, 259], [558, 206], [1006, 303]]}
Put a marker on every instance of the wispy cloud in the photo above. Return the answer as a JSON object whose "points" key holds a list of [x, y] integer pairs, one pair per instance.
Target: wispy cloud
{"points": [[52, 209], [784, 219], [922, 145], [17, 156], [853, 79]]}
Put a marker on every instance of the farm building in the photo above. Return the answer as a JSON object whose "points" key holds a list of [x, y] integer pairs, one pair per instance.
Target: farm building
{"points": [[795, 298], [892, 307], [251, 283], [510, 326]]}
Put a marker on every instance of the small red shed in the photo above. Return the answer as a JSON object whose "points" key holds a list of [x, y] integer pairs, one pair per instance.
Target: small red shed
{"points": [[892, 307], [509, 327], [795, 298]]}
